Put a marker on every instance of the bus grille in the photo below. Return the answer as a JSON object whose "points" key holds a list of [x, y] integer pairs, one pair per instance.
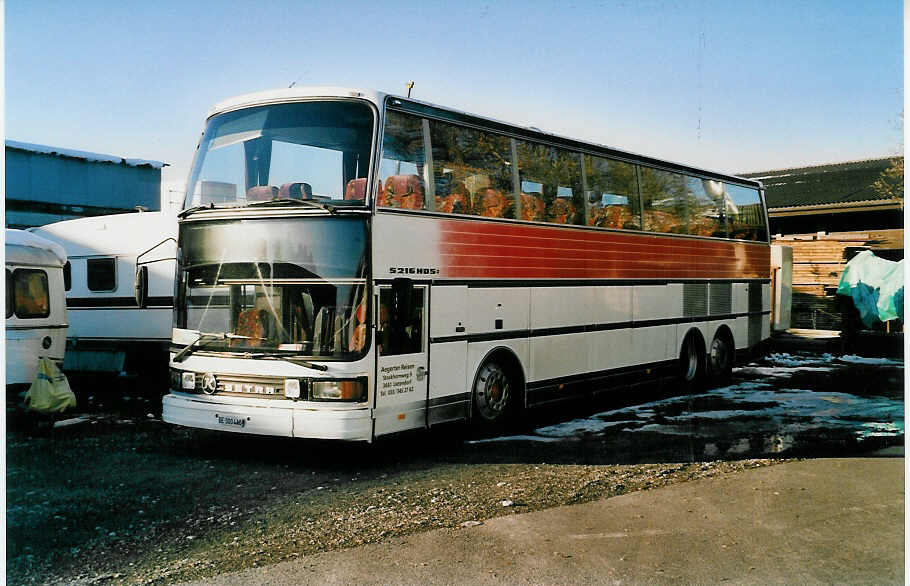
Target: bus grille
{"points": [[695, 299], [721, 298], [245, 386]]}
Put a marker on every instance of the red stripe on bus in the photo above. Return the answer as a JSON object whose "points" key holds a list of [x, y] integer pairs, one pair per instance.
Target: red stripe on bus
{"points": [[471, 249]]}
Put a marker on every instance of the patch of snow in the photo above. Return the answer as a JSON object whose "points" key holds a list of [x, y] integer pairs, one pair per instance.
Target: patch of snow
{"points": [[515, 438], [853, 359], [579, 427], [780, 371], [784, 359]]}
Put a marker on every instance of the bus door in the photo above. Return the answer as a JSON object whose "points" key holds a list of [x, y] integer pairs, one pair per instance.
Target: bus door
{"points": [[402, 344]]}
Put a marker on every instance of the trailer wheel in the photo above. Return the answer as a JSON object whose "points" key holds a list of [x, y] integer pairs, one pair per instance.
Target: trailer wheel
{"points": [[494, 394]]}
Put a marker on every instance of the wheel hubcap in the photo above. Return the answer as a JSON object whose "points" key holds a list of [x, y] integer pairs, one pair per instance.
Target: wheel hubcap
{"points": [[492, 392]]}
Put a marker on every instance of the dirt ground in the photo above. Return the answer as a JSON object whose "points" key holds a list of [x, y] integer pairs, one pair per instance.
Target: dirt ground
{"points": [[123, 498], [116, 496]]}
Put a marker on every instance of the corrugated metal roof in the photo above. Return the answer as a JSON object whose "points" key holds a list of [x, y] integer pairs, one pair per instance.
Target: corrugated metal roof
{"points": [[84, 155], [833, 183]]}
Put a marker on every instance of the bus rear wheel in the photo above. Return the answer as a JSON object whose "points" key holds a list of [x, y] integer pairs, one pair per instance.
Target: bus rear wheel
{"points": [[720, 358], [494, 394]]}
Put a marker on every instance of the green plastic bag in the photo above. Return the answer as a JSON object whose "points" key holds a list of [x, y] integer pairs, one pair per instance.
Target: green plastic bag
{"points": [[50, 392]]}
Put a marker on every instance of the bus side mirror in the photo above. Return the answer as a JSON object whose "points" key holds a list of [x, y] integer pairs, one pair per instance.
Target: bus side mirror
{"points": [[142, 286], [400, 312]]}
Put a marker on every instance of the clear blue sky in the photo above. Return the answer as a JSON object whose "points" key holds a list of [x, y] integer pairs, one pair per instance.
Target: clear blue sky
{"points": [[731, 86]]}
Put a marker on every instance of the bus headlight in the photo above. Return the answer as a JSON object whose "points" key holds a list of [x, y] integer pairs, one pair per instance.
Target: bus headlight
{"points": [[339, 390], [292, 388]]}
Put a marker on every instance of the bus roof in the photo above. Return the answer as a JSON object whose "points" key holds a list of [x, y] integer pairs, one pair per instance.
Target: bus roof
{"points": [[418, 106]]}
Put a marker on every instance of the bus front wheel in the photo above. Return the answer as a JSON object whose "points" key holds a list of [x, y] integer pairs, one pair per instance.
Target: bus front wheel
{"points": [[692, 363], [494, 394]]}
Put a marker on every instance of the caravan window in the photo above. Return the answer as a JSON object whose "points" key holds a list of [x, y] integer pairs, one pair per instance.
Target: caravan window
{"points": [[31, 294], [101, 274], [9, 293]]}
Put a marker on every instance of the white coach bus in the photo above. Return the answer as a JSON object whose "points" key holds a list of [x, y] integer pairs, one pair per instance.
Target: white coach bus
{"points": [[35, 308], [352, 264]]}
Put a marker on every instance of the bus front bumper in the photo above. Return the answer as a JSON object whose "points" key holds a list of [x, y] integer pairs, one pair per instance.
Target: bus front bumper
{"points": [[268, 417]]}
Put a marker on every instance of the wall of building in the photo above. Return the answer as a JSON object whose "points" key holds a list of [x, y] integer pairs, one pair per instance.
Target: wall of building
{"points": [[43, 188]]}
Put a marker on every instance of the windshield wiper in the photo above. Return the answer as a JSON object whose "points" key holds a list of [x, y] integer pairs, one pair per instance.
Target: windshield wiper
{"points": [[208, 206], [297, 359], [284, 201], [192, 346]]}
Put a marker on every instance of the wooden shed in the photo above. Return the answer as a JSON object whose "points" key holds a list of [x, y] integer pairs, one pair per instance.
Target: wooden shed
{"points": [[828, 213]]}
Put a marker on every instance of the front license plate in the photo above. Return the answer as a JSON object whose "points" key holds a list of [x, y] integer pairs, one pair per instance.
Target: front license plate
{"points": [[231, 420]]}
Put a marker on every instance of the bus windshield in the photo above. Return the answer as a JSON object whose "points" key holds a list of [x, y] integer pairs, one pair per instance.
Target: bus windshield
{"points": [[283, 286], [317, 151]]}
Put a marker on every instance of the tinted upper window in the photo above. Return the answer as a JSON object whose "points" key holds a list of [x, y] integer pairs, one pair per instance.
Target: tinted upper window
{"points": [[551, 187], [403, 165], [472, 171], [437, 166], [746, 213]]}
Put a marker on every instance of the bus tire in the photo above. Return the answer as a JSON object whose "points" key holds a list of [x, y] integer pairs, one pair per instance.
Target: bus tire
{"points": [[692, 362], [721, 356], [494, 394]]}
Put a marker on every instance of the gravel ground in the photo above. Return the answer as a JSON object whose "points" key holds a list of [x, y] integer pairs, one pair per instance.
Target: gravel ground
{"points": [[126, 499]]}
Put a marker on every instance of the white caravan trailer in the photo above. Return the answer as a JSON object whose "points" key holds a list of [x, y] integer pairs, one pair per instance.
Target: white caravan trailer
{"points": [[35, 305], [120, 290]]}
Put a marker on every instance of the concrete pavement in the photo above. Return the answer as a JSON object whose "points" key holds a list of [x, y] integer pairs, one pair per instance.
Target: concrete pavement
{"points": [[809, 522]]}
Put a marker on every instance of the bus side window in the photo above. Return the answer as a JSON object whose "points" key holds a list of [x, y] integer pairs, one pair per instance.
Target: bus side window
{"points": [[551, 184], [745, 213], [612, 196], [664, 206], [402, 163], [471, 171]]}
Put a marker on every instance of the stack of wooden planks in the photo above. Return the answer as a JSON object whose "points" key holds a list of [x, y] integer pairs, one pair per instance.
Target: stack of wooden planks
{"points": [[818, 262]]}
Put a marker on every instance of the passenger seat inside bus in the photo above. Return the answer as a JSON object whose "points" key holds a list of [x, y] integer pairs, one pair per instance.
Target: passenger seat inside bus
{"points": [[261, 193], [453, 199], [356, 189], [493, 204], [403, 191], [299, 190], [533, 207], [257, 325]]}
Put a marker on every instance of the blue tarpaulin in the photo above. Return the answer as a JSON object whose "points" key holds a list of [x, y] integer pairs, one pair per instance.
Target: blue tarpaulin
{"points": [[876, 286]]}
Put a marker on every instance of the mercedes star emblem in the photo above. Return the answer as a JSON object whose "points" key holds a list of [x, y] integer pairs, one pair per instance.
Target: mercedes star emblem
{"points": [[209, 384]]}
